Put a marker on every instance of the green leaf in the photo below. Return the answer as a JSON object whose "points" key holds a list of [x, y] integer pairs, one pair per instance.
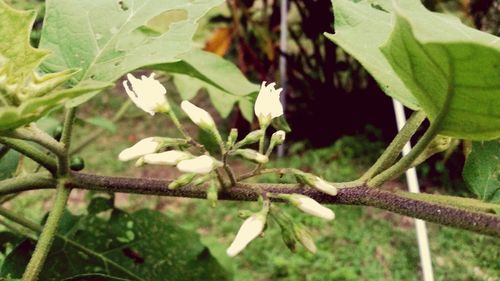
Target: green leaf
{"points": [[109, 38], [144, 245], [223, 81], [8, 164], [211, 69], [12, 117], [360, 29], [222, 101], [451, 69], [481, 171], [102, 122], [280, 123]]}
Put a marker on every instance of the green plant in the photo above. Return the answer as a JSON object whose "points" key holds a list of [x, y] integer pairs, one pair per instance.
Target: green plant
{"points": [[433, 73]]}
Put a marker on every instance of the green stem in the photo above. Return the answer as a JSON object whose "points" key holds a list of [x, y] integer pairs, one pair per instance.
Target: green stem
{"points": [[34, 134], [394, 149], [90, 138], [46, 238], [28, 182], [63, 160], [178, 125], [404, 163], [32, 152], [229, 171]]}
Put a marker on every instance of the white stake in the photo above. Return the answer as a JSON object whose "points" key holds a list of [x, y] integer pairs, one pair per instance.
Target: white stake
{"points": [[412, 180]]}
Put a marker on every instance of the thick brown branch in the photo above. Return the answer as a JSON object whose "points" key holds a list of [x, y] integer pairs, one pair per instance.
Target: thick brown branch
{"points": [[447, 215]]}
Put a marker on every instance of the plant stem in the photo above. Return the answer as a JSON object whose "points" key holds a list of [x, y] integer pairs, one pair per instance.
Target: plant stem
{"points": [[178, 125], [46, 238], [420, 207], [90, 138], [404, 163], [63, 160], [32, 152], [34, 134], [394, 149], [229, 171], [28, 182]]}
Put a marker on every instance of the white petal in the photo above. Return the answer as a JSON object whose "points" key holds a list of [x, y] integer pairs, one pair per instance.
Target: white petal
{"points": [[325, 187], [249, 230], [171, 157], [148, 93], [268, 104], [198, 115], [310, 206], [200, 165], [141, 148]]}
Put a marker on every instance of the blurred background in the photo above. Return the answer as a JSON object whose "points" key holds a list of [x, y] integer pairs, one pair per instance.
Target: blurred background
{"points": [[341, 121]]}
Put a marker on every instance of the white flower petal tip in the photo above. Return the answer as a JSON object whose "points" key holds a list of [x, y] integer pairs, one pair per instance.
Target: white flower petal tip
{"points": [[171, 157], [311, 207], [141, 148], [324, 186], [249, 230], [268, 104], [198, 115], [147, 93], [200, 165]]}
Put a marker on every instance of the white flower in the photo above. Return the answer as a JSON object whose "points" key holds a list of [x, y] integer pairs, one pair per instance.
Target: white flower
{"points": [[268, 104], [198, 115], [323, 186], [310, 206], [141, 148], [171, 157], [147, 93], [278, 137], [200, 165], [249, 230]]}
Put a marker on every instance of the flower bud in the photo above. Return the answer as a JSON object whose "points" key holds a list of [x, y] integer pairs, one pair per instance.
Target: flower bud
{"points": [[316, 182], [182, 180], [147, 93], [252, 137], [252, 155], [141, 148], [198, 115], [171, 157], [249, 230], [278, 137], [202, 179], [304, 237], [231, 139], [309, 206], [212, 194], [200, 165]]}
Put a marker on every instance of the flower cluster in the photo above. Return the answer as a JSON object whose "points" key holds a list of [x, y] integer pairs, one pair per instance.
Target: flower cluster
{"points": [[199, 166]]}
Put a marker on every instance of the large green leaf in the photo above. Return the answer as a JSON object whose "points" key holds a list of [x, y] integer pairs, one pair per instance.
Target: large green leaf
{"points": [[451, 69], [109, 38], [223, 81], [482, 170], [143, 245], [360, 29]]}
